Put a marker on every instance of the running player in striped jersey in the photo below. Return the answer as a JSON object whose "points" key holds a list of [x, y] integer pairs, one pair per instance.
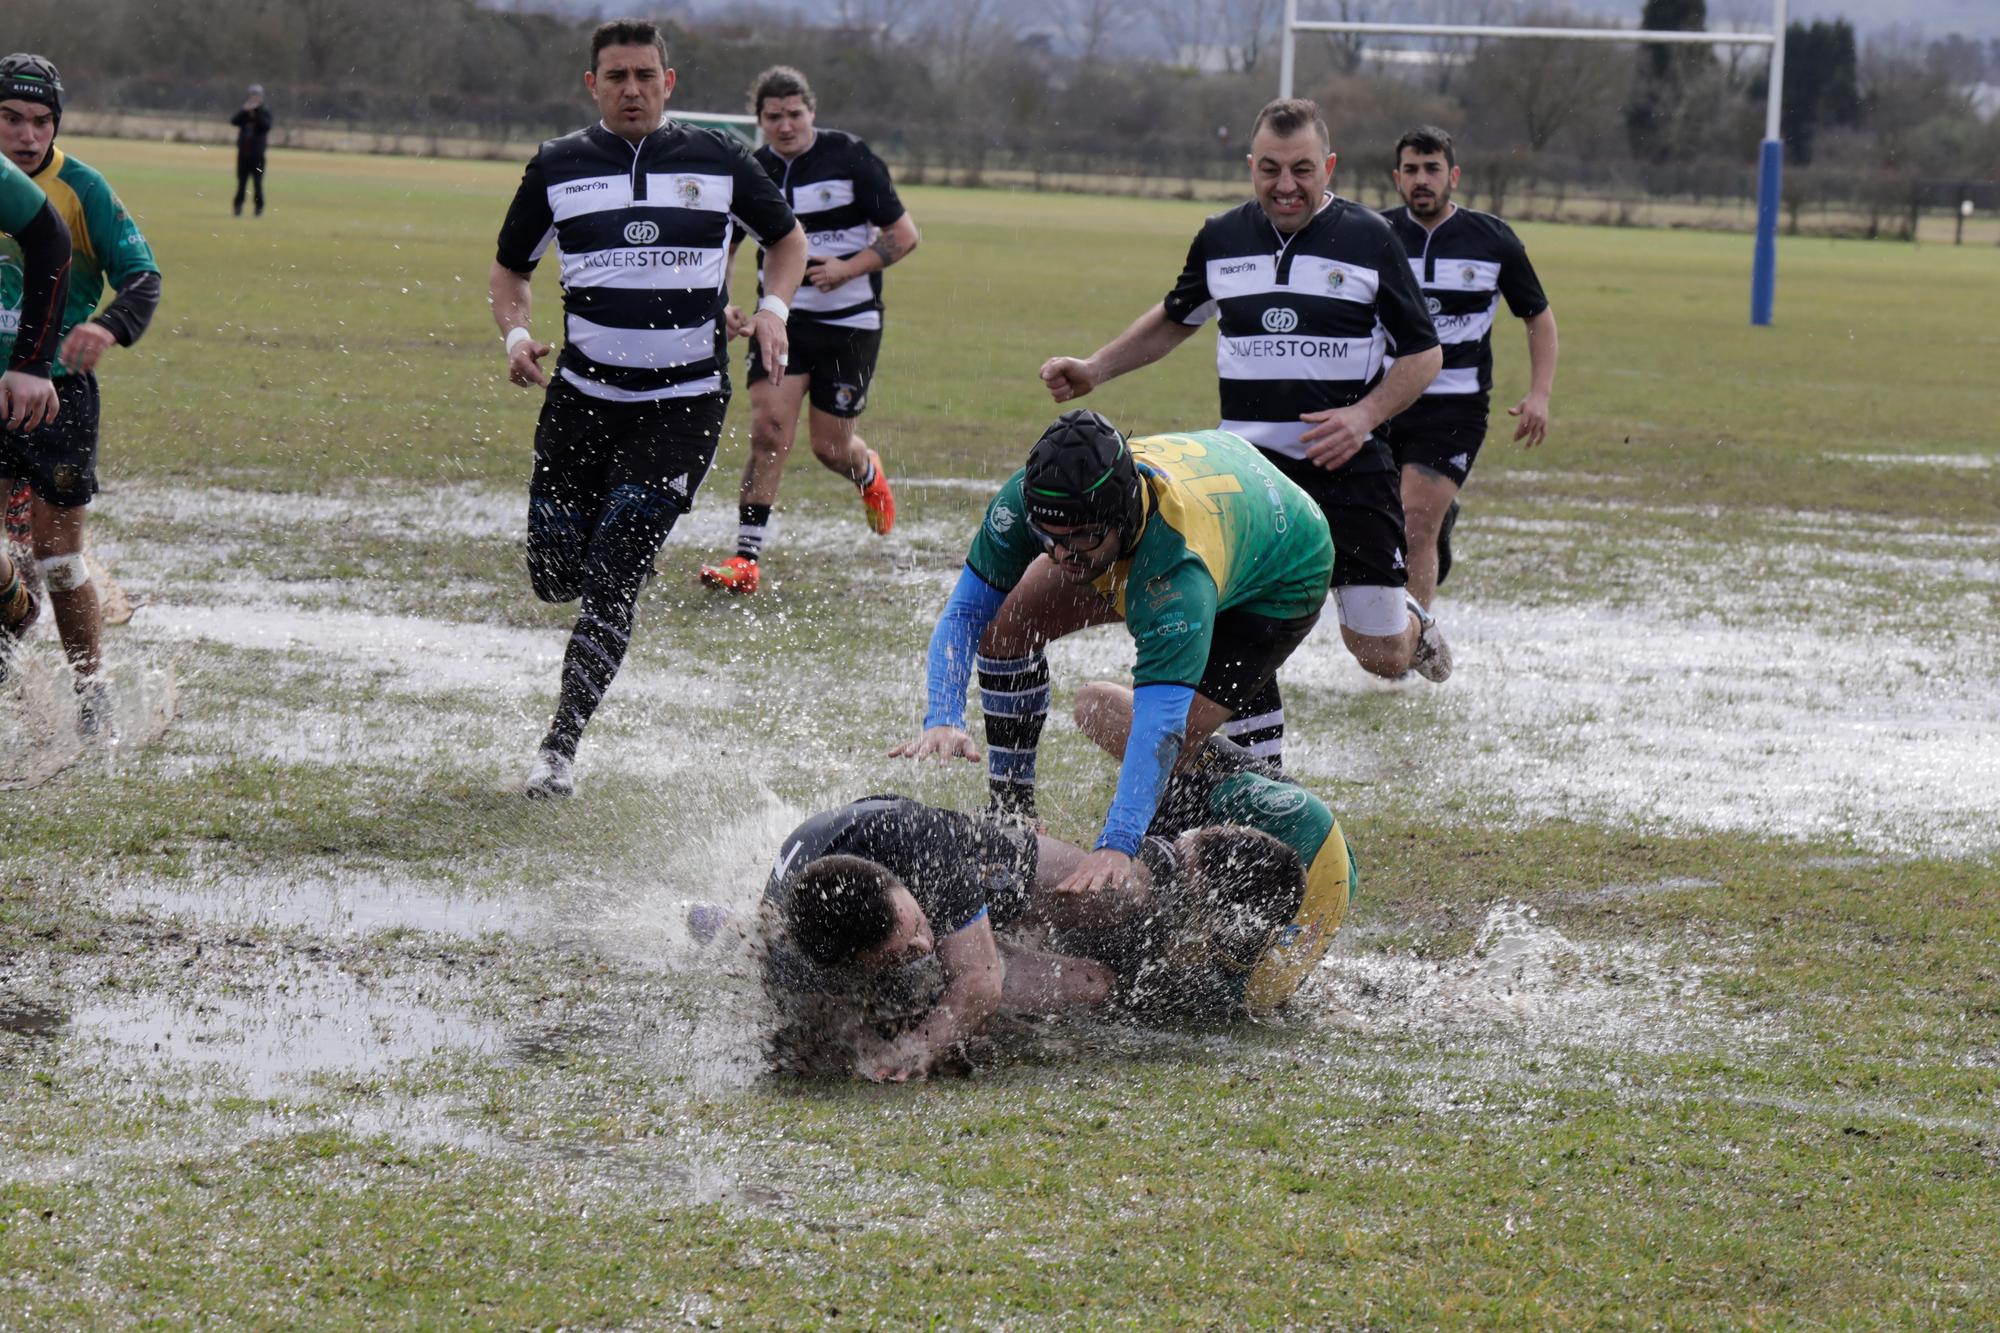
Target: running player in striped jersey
{"points": [[1216, 564], [639, 207], [28, 400], [1311, 294], [60, 461], [856, 226], [1466, 262]]}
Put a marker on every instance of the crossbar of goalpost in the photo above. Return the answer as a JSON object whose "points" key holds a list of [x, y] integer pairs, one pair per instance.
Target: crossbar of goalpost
{"points": [[1764, 268]]}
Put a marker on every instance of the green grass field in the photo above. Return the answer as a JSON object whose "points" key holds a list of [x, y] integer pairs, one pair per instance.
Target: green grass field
{"points": [[1671, 997]]}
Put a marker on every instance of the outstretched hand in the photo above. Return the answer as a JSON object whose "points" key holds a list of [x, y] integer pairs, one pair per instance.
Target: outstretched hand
{"points": [[1104, 870], [940, 743]]}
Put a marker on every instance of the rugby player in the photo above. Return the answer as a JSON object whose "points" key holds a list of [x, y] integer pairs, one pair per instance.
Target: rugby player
{"points": [[881, 914], [639, 207], [1312, 293], [1255, 940], [1465, 261], [59, 461], [856, 226], [881, 921], [1216, 564]]}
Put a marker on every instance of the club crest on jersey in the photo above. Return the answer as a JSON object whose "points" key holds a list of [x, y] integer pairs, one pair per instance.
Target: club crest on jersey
{"points": [[1468, 274], [641, 232], [1280, 319], [1001, 519], [826, 194], [689, 190], [1335, 279], [1279, 800]]}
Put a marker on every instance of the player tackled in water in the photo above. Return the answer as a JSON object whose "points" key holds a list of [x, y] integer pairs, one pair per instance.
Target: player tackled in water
{"points": [[1248, 951], [59, 460], [1214, 561], [856, 226]]}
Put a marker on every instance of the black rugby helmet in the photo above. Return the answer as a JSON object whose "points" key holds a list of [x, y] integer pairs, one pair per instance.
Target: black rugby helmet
{"points": [[31, 78], [1081, 472]]}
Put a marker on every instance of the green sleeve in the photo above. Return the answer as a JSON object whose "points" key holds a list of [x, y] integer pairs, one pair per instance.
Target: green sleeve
{"points": [[121, 248], [1003, 548], [1171, 616], [20, 198]]}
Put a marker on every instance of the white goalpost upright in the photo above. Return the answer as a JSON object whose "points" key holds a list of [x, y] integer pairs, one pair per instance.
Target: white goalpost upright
{"points": [[1764, 268]]}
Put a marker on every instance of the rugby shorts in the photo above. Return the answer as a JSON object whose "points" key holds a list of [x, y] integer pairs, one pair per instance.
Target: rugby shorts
{"points": [[839, 364], [1442, 432], [1364, 512], [58, 458], [586, 447], [1245, 652]]}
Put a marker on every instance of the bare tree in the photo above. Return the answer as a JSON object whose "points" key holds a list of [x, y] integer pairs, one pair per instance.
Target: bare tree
{"points": [[1544, 86], [1084, 24], [883, 19]]}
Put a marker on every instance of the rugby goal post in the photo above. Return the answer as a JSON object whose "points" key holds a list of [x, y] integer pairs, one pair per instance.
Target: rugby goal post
{"points": [[744, 127], [1764, 268]]}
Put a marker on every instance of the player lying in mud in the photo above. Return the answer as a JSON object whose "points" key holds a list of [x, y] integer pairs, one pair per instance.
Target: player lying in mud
{"points": [[895, 930]]}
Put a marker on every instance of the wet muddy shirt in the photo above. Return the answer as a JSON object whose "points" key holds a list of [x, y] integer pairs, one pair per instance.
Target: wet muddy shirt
{"points": [[1226, 532], [960, 868]]}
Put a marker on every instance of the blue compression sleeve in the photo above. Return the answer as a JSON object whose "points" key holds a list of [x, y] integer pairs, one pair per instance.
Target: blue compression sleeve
{"points": [[1159, 725], [948, 668]]}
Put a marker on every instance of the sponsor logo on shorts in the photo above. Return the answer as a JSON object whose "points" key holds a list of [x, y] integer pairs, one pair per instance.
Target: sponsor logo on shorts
{"points": [[1279, 800], [679, 485], [1463, 462], [642, 232], [1001, 520], [848, 397], [1280, 319]]}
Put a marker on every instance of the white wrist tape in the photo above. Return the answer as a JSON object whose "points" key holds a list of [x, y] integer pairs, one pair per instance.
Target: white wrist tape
{"points": [[776, 306], [516, 336]]}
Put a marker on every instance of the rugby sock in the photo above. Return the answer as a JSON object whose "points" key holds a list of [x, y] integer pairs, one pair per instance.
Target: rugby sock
{"points": [[1260, 727], [1014, 697], [636, 521], [867, 477], [753, 528]]}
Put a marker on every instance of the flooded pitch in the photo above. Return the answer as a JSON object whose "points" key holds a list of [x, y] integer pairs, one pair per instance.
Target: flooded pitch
{"points": [[348, 990]]}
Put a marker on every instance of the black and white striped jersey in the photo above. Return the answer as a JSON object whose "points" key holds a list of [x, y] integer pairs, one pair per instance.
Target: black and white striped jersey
{"points": [[1306, 322], [842, 194], [643, 234], [1465, 266]]}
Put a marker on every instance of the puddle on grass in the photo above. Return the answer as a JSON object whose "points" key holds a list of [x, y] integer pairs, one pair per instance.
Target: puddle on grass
{"points": [[338, 904], [1521, 976], [272, 1034]]}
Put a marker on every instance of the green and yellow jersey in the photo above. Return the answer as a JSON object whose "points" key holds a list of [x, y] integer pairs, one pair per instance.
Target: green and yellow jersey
{"points": [[1302, 822], [106, 244], [1224, 531]]}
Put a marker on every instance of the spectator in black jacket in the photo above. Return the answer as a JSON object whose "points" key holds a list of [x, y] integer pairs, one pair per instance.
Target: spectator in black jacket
{"points": [[253, 132]]}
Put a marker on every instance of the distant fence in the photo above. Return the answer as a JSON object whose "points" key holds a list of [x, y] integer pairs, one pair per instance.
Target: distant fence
{"points": [[1712, 196]]}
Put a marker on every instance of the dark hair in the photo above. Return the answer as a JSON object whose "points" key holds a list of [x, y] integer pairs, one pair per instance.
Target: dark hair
{"points": [[1427, 139], [1235, 866], [1288, 115], [780, 81], [839, 908], [627, 32]]}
